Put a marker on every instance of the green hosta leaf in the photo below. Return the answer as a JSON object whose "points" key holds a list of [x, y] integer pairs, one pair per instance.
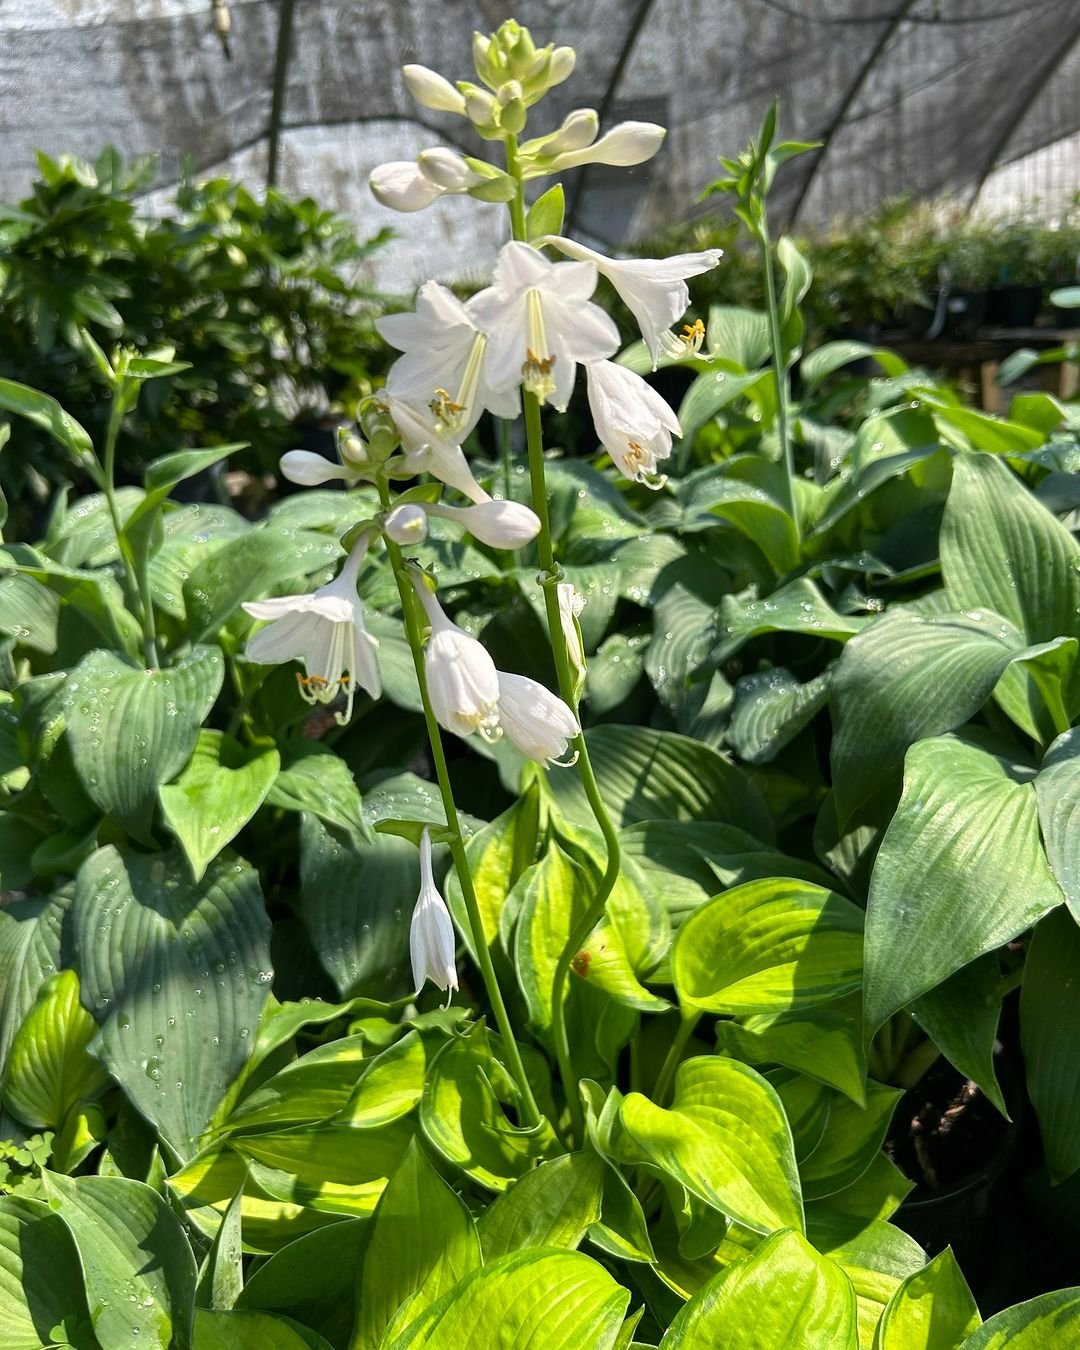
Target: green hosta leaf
{"points": [[738, 335], [710, 392], [851, 1142], [683, 599], [825, 1043], [798, 607], [221, 788], [243, 1330], [357, 898], [462, 1117], [725, 1138], [561, 1300], [960, 872], [177, 974], [139, 1270], [771, 708], [390, 1085], [423, 1242], [717, 494], [317, 780], [41, 1282], [29, 612], [554, 1205], [783, 1294], [50, 1069], [497, 855], [875, 1195], [1044, 1322], [47, 414], [904, 678], [769, 947], [961, 1017], [132, 729], [94, 596], [933, 1309], [1057, 791], [1050, 1033], [221, 1278], [29, 954], [313, 1280], [312, 1088], [875, 1257], [646, 774], [832, 356]]}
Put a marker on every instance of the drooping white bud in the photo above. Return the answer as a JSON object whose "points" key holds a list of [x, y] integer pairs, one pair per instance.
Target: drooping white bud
{"points": [[499, 524], [432, 90], [431, 933], [571, 603], [310, 470], [406, 524], [539, 723]]}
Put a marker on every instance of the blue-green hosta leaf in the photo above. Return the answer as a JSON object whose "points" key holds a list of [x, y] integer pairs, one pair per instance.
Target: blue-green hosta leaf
{"points": [[29, 612], [738, 335], [422, 1243], [1044, 1322], [1057, 791], [554, 1205], [132, 729], [683, 600], [215, 796], [30, 938], [41, 1282], [833, 356], [754, 508], [315, 779], [710, 392], [961, 1017], [769, 947], [1050, 1034], [960, 872], [798, 607], [559, 1299], [933, 1309], [50, 1068], [177, 974], [771, 708], [725, 1138], [646, 774], [139, 1269], [784, 1293]]}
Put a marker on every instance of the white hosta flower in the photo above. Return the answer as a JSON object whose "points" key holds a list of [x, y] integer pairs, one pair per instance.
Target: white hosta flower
{"points": [[654, 290], [633, 422], [326, 632], [462, 681], [432, 90], [425, 449], [309, 469], [540, 323], [401, 186], [571, 603], [539, 723], [624, 145], [497, 523], [443, 363], [406, 524], [431, 933]]}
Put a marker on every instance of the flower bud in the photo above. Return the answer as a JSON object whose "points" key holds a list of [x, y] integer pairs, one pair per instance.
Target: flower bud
{"points": [[482, 110], [406, 524], [310, 470], [513, 116], [578, 130], [499, 524], [509, 92], [431, 933], [402, 187], [534, 719], [563, 60], [431, 90], [351, 448], [447, 170], [381, 432], [571, 603], [627, 144], [521, 54]]}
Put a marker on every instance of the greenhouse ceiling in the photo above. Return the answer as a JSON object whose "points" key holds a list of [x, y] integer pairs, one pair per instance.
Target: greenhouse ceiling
{"points": [[905, 95]]}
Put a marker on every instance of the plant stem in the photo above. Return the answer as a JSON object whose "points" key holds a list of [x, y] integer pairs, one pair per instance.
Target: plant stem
{"points": [[687, 1023], [550, 577], [136, 579], [780, 369], [530, 1110]]}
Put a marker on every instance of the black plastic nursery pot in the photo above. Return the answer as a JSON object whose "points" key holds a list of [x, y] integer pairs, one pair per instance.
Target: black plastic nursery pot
{"points": [[1015, 306], [965, 311], [1066, 318]]}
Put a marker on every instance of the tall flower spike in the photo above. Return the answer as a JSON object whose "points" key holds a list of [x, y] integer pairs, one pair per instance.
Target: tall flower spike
{"points": [[431, 933], [540, 724], [633, 422], [326, 632], [541, 323], [654, 290], [462, 681]]}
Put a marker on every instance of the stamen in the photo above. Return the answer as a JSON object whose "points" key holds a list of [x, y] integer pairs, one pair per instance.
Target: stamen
{"points": [[536, 372], [693, 335]]}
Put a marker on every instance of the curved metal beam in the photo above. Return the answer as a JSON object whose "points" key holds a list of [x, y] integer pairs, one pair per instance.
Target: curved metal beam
{"points": [[898, 17], [277, 98]]}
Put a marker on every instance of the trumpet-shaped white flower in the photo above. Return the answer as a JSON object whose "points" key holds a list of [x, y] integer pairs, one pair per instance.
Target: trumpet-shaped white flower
{"points": [[406, 524], [462, 681], [571, 603], [443, 363], [401, 186], [540, 323], [431, 933], [426, 451], [633, 422], [539, 723], [432, 90], [654, 290], [499, 524], [624, 145], [326, 632]]}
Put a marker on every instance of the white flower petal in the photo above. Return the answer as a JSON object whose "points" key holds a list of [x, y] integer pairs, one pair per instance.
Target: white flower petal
{"points": [[401, 186], [538, 722]]}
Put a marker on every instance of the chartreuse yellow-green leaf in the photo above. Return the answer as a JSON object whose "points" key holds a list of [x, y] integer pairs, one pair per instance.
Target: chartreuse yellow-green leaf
{"points": [[1043, 1323], [725, 1138], [551, 1206], [544, 1297], [933, 1309], [782, 1294], [50, 1068], [766, 947], [422, 1243], [245, 1330]]}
